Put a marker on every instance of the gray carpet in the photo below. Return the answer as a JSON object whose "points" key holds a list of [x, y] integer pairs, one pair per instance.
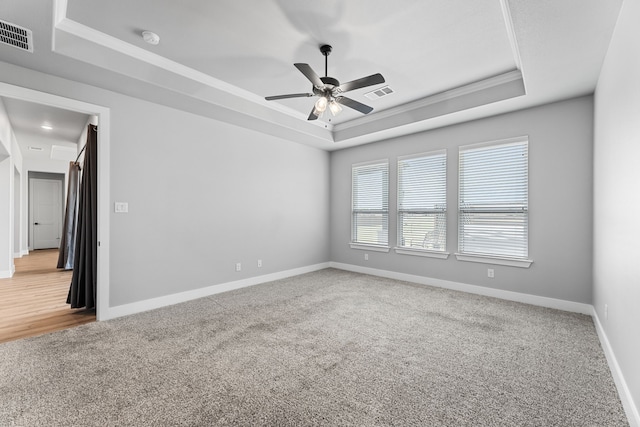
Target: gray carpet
{"points": [[325, 348]]}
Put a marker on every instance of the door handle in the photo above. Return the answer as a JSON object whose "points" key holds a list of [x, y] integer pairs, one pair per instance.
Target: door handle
{"points": [[36, 223]]}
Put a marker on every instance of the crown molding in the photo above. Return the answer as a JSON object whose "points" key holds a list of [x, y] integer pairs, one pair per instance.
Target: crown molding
{"points": [[487, 91], [437, 98]]}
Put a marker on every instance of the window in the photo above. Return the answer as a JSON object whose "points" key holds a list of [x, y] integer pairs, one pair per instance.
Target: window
{"points": [[493, 202], [422, 202], [370, 204]]}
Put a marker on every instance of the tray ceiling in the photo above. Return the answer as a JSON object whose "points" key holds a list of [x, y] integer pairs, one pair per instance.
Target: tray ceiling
{"points": [[446, 60]]}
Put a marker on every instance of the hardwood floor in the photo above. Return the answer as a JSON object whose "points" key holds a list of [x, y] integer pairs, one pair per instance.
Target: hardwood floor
{"points": [[33, 301]]}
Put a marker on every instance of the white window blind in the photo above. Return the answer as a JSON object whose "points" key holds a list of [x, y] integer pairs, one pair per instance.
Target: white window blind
{"points": [[493, 199], [370, 204], [422, 201]]}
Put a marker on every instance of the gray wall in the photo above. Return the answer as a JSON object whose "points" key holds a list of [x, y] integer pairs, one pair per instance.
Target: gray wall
{"points": [[202, 196], [616, 197], [560, 201]]}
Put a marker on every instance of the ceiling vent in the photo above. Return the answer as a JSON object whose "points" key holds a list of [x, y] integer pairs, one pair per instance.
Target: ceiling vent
{"points": [[16, 36], [379, 93]]}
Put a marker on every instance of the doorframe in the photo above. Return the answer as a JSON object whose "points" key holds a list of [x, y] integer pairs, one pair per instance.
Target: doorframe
{"points": [[103, 310], [57, 177]]}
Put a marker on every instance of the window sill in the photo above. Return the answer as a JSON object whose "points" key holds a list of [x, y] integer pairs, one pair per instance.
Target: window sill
{"points": [[365, 247], [422, 252], [511, 262]]}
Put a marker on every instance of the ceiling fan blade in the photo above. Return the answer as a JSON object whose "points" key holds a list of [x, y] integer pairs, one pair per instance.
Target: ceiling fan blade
{"points": [[312, 116], [358, 106], [371, 80], [310, 74], [291, 95]]}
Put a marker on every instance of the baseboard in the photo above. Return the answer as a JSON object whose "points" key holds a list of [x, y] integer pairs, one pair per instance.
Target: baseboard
{"points": [[150, 304], [6, 274], [574, 307], [623, 390], [24, 252], [17, 255]]}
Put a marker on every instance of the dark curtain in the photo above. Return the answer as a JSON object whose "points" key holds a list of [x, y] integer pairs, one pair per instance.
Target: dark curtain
{"points": [[82, 292], [68, 243]]}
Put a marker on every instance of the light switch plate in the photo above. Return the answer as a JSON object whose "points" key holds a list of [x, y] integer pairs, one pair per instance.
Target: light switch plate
{"points": [[121, 207]]}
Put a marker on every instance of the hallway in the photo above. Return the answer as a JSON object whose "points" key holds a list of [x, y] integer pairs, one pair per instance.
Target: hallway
{"points": [[33, 301]]}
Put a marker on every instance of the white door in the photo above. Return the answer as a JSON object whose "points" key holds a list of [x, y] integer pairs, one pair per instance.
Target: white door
{"points": [[46, 213]]}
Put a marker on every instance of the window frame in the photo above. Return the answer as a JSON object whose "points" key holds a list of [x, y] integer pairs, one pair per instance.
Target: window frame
{"points": [[513, 261], [384, 210], [400, 210]]}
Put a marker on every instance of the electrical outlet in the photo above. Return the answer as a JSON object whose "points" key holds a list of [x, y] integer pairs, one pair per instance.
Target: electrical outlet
{"points": [[606, 311], [366, 257], [259, 263], [238, 266], [490, 273]]}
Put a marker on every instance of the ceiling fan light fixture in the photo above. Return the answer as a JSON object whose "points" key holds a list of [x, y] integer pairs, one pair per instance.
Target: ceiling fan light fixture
{"points": [[334, 107], [321, 104]]}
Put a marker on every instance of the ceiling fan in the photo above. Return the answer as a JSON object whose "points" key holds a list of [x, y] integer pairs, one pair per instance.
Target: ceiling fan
{"points": [[329, 90]]}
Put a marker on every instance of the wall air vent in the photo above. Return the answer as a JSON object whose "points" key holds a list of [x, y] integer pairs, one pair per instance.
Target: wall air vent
{"points": [[16, 36], [379, 93]]}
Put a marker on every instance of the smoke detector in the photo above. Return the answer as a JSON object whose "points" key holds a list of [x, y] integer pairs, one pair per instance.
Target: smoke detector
{"points": [[150, 37]]}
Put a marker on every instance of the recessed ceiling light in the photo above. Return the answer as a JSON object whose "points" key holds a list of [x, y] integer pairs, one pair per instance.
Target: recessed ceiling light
{"points": [[150, 37], [46, 127]]}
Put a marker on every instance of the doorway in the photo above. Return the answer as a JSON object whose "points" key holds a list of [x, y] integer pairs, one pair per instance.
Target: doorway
{"points": [[102, 311], [46, 201]]}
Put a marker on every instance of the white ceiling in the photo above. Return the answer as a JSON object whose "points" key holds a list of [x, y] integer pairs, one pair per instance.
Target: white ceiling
{"points": [[446, 60], [254, 47], [35, 142]]}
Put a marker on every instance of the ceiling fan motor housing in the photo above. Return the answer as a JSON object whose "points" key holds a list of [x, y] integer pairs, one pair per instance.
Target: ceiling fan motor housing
{"points": [[329, 84]]}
